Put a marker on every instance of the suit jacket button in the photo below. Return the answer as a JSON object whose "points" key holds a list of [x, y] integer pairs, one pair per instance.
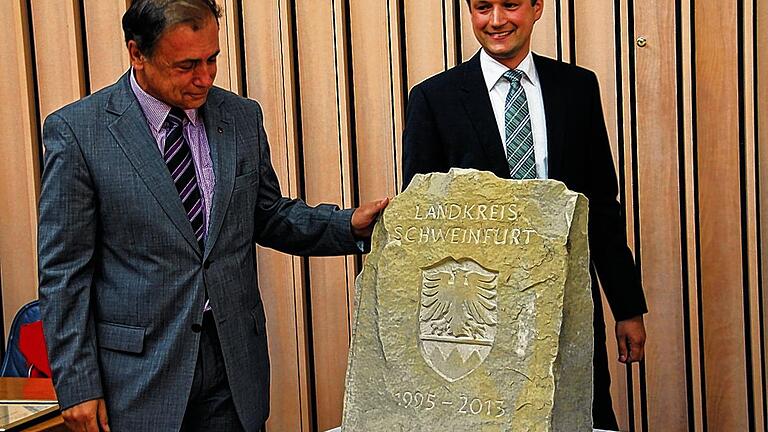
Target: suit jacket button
{"points": [[206, 265], [197, 328]]}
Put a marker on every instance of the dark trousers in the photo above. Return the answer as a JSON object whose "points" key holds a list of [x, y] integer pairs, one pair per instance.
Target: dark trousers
{"points": [[210, 406]]}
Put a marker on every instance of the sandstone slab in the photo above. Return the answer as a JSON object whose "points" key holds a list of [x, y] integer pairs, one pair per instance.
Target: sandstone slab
{"points": [[473, 310]]}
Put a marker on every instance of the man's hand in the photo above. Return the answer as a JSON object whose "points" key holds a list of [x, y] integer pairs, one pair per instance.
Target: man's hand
{"points": [[630, 335], [89, 416], [365, 216]]}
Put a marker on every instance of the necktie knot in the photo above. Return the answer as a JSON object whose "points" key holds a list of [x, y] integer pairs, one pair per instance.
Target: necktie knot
{"points": [[175, 118], [514, 76]]}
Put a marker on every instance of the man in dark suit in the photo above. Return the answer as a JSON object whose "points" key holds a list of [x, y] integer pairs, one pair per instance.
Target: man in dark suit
{"points": [[154, 193], [521, 116]]}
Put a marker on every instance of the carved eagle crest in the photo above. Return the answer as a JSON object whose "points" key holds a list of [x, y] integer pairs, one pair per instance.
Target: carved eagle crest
{"points": [[459, 303]]}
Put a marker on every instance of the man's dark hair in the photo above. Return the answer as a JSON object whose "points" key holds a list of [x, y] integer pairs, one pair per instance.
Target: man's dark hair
{"points": [[533, 2], [146, 20]]}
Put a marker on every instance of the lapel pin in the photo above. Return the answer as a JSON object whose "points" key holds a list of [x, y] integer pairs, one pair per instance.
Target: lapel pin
{"points": [[221, 130]]}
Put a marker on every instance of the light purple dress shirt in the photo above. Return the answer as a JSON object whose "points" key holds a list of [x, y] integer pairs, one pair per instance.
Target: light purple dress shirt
{"points": [[155, 111]]}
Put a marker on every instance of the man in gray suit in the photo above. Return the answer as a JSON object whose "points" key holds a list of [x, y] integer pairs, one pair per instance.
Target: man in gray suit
{"points": [[155, 191]]}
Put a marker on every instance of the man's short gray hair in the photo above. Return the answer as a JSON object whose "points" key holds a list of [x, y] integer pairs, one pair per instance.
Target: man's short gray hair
{"points": [[146, 20]]}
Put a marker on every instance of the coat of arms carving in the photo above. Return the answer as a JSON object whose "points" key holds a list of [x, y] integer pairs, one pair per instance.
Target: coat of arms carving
{"points": [[457, 316]]}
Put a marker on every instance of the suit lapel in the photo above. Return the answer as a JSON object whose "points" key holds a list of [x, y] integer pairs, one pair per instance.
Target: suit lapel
{"points": [[132, 134], [220, 130], [555, 112], [477, 103]]}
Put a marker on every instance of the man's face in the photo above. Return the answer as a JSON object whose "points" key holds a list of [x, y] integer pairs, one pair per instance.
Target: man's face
{"points": [[503, 27], [182, 67]]}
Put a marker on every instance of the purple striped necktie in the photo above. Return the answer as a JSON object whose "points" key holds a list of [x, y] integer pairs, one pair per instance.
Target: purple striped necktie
{"points": [[178, 158]]}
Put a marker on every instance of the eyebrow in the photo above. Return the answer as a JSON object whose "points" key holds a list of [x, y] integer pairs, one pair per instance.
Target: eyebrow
{"points": [[197, 60]]}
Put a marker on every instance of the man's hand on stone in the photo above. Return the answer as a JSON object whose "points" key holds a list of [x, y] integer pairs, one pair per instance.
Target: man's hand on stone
{"points": [[630, 335], [365, 217], [89, 416]]}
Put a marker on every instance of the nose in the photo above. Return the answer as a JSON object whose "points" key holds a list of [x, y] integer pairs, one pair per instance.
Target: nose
{"points": [[497, 16], [205, 74]]}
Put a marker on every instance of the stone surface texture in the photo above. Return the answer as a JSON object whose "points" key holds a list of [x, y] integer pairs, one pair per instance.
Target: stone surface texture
{"points": [[473, 310]]}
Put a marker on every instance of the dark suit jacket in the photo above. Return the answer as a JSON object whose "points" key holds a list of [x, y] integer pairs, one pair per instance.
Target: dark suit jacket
{"points": [[122, 278], [450, 123]]}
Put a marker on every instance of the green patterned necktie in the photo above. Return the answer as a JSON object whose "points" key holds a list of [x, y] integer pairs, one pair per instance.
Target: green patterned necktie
{"points": [[517, 126]]}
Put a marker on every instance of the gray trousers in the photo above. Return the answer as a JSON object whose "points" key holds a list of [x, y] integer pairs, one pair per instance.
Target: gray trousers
{"points": [[210, 406]]}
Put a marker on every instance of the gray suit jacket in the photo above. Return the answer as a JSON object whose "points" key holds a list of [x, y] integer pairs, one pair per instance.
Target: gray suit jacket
{"points": [[122, 279]]}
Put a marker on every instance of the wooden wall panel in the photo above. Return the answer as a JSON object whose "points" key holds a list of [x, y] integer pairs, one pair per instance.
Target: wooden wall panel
{"points": [[58, 52], [378, 96], [106, 45], [325, 138], [469, 44], [687, 120], [762, 147], [566, 36], [622, 378], [269, 72], [751, 239], [595, 49], [425, 44], [720, 216], [686, 70], [659, 204], [451, 35], [228, 75], [19, 166], [547, 32]]}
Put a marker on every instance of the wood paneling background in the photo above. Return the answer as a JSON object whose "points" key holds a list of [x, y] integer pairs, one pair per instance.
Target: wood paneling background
{"points": [[687, 114]]}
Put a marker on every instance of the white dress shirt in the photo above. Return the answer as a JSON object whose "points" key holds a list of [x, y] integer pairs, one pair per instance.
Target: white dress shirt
{"points": [[498, 88]]}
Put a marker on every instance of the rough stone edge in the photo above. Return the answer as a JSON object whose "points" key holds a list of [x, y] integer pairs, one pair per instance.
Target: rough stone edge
{"points": [[578, 418]]}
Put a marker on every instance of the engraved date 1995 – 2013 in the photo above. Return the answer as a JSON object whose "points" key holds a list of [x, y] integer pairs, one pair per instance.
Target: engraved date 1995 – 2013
{"points": [[428, 401]]}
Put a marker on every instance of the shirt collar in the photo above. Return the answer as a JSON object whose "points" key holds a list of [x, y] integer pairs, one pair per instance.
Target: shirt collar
{"points": [[493, 70], [154, 109]]}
